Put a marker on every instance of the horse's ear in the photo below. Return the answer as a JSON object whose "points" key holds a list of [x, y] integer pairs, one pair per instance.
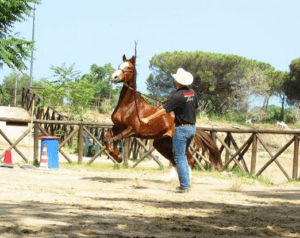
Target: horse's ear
{"points": [[124, 58], [132, 60]]}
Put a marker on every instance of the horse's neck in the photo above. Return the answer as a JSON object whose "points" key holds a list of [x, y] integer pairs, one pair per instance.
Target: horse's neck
{"points": [[127, 94]]}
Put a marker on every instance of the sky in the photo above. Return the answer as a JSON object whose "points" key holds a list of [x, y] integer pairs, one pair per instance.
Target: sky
{"points": [[86, 32]]}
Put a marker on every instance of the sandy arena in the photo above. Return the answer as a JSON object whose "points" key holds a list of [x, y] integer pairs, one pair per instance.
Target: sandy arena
{"points": [[68, 203], [65, 203]]}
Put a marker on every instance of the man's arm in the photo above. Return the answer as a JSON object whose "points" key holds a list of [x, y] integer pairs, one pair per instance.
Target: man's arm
{"points": [[154, 116]]}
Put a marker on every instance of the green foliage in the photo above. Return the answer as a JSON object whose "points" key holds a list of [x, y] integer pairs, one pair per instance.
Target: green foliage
{"points": [[77, 94], [14, 51], [292, 84], [117, 166], [4, 96], [228, 80], [274, 113], [230, 115], [109, 104], [290, 116], [245, 177], [106, 106], [65, 75], [100, 76], [23, 80]]}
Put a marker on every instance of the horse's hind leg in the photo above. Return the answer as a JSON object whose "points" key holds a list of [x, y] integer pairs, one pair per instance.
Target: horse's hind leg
{"points": [[165, 147]]}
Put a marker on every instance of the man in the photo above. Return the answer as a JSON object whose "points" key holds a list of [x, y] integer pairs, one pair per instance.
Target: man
{"points": [[183, 103]]}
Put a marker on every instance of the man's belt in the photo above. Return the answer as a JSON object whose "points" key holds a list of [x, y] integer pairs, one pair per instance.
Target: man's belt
{"points": [[184, 124]]}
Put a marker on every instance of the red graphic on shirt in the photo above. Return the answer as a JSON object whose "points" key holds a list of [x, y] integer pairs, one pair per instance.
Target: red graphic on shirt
{"points": [[189, 96]]}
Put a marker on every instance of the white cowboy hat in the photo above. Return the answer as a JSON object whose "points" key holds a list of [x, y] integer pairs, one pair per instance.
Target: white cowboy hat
{"points": [[183, 77]]}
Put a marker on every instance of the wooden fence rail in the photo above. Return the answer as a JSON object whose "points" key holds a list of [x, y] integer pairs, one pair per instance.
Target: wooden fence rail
{"points": [[234, 155], [253, 140]]}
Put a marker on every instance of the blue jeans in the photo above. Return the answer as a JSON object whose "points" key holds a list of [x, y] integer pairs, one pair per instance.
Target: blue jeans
{"points": [[182, 139]]}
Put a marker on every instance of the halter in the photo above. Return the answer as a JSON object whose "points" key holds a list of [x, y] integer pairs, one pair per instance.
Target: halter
{"points": [[143, 95], [126, 85]]}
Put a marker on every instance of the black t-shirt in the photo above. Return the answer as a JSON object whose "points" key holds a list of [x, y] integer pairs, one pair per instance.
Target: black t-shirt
{"points": [[183, 103]]}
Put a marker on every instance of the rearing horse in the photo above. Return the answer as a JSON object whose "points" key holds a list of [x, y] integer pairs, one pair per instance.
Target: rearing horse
{"points": [[127, 121]]}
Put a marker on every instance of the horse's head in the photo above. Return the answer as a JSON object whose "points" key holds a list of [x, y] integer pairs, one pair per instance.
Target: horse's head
{"points": [[126, 72]]}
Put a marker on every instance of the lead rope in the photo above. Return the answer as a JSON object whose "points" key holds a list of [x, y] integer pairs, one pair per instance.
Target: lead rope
{"points": [[141, 94], [135, 102]]}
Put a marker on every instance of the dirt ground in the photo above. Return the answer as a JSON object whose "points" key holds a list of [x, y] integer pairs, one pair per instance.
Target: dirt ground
{"points": [[67, 203]]}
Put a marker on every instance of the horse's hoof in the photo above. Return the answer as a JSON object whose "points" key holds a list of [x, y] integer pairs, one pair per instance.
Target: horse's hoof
{"points": [[119, 158]]}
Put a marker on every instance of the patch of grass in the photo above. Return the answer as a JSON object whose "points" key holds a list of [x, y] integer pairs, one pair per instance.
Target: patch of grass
{"points": [[136, 159], [264, 156], [295, 182], [206, 166], [277, 146], [107, 167], [246, 178], [242, 178], [116, 166]]}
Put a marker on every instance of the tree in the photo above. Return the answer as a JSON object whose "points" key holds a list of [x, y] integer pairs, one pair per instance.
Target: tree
{"points": [[291, 86], [100, 76], [70, 93], [14, 51], [220, 78], [276, 80], [105, 95], [159, 85], [4, 96], [20, 80]]}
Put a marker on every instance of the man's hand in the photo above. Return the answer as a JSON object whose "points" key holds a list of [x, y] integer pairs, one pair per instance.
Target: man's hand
{"points": [[145, 120], [154, 116]]}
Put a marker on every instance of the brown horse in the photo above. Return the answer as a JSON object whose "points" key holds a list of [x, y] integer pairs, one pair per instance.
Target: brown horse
{"points": [[127, 121]]}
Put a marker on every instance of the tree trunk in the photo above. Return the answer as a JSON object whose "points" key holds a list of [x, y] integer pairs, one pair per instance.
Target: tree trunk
{"points": [[282, 108], [266, 103]]}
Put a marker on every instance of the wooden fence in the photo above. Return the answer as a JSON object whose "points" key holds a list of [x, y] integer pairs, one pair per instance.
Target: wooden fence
{"points": [[32, 102], [49, 121], [95, 131], [233, 155], [236, 156]]}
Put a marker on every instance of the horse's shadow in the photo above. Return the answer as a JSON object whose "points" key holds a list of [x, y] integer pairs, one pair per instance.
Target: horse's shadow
{"points": [[106, 180], [116, 180]]}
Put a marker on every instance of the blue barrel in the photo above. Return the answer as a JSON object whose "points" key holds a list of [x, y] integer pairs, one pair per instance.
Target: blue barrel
{"points": [[52, 150]]}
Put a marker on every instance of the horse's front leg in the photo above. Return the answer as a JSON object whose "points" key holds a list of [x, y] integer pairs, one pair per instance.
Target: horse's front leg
{"points": [[116, 137], [106, 140]]}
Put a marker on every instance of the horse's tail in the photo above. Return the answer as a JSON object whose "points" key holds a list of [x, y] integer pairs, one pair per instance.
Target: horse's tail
{"points": [[205, 142]]}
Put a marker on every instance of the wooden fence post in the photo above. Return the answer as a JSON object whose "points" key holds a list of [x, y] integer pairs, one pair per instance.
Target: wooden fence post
{"points": [[80, 144], [296, 156], [126, 151], [226, 151], [35, 143], [70, 142], [253, 156], [213, 136]]}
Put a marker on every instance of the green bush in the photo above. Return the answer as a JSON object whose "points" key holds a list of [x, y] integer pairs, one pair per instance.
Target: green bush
{"points": [[231, 115], [106, 105], [274, 113], [289, 116]]}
